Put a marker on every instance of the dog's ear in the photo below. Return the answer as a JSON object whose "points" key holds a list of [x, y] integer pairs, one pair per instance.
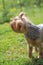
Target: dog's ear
{"points": [[21, 14]]}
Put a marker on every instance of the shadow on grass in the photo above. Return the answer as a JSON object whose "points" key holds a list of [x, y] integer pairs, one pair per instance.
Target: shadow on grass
{"points": [[35, 62], [28, 63]]}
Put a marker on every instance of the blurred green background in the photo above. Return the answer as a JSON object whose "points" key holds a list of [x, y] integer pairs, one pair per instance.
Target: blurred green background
{"points": [[11, 8], [13, 47]]}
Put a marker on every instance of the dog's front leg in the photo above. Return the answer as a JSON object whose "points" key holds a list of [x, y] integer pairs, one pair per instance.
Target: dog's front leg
{"points": [[41, 53], [29, 48]]}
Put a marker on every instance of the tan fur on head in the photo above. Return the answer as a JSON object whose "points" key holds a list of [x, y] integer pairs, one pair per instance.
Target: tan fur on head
{"points": [[17, 25]]}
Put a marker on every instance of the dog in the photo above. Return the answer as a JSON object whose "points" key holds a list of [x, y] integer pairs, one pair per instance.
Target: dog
{"points": [[33, 33]]}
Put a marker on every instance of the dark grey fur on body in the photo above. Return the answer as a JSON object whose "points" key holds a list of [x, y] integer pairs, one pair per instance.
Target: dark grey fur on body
{"points": [[33, 32]]}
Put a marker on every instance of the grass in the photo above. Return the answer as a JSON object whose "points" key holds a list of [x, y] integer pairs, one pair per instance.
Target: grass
{"points": [[13, 47]]}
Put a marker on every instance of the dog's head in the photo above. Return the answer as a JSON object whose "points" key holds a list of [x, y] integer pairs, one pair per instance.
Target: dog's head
{"points": [[18, 25]]}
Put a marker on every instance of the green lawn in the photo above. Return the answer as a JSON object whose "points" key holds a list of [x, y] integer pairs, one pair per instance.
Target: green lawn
{"points": [[13, 47]]}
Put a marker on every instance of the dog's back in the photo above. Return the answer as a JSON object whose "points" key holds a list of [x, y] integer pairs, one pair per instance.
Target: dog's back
{"points": [[41, 31]]}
